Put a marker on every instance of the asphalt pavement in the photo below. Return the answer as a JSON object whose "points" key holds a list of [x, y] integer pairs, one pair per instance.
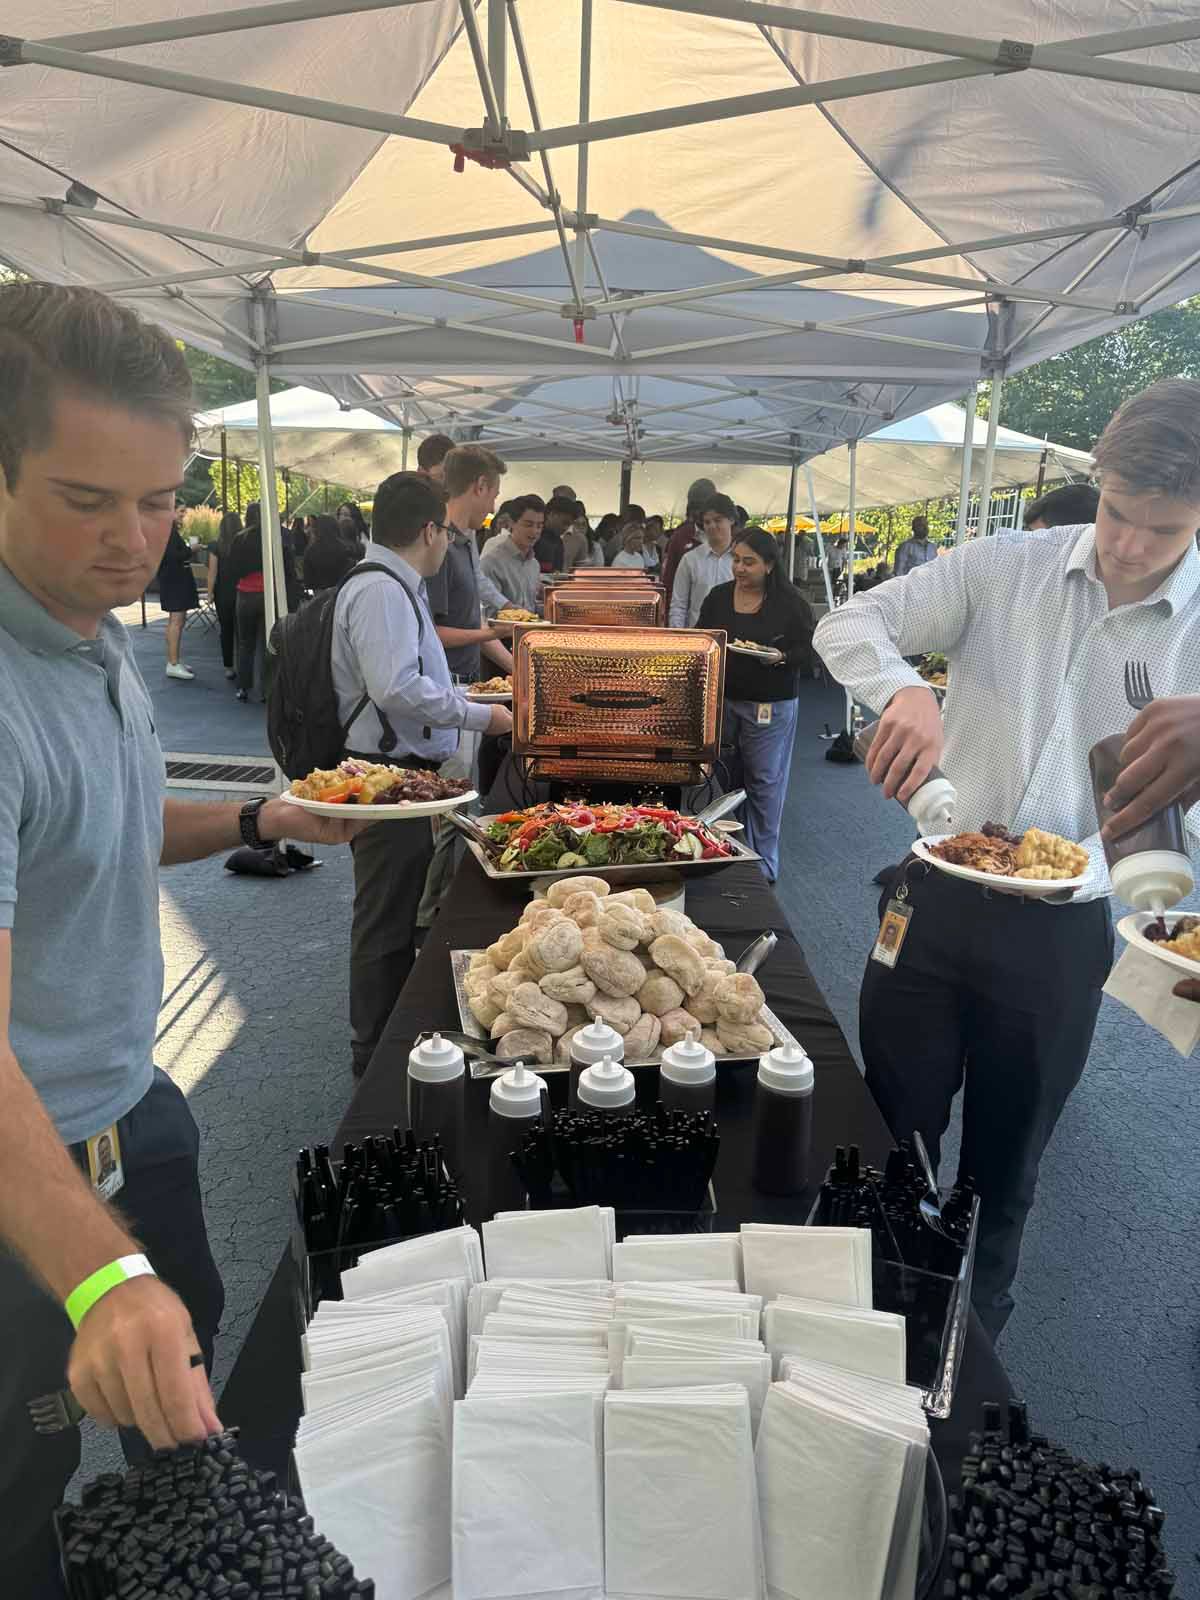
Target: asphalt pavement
{"points": [[1105, 1340]]}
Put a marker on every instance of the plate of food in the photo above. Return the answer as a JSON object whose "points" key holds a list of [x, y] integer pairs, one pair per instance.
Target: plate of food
{"points": [[1034, 863], [393, 794], [590, 952], [519, 617], [935, 670], [625, 840], [766, 653], [491, 691], [1175, 940]]}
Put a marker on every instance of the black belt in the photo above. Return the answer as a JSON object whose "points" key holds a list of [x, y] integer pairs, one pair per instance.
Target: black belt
{"points": [[419, 763]]}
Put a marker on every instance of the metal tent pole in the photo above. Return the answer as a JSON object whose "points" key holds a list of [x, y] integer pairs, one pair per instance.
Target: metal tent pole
{"points": [[224, 473], [964, 482], [1041, 477], [626, 485], [816, 517], [405, 437], [274, 588], [853, 516], [790, 531], [989, 457]]}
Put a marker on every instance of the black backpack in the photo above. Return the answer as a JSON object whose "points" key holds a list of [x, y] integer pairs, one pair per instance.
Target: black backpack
{"points": [[303, 726]]}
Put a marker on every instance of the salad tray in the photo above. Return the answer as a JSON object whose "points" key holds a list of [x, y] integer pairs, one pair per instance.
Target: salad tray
{"points": [[624, 872]]}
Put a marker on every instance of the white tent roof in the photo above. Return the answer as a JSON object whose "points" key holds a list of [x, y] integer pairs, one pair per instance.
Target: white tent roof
{"points": [[915, 459], [852, 215]]}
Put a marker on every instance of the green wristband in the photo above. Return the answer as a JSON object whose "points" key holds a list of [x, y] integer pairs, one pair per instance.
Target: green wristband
{"points": [[81, 1300]]}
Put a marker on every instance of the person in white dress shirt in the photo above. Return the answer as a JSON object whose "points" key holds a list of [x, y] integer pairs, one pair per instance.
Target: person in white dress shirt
{"points": [[707, 565], [631, 554], [1000, 990]]}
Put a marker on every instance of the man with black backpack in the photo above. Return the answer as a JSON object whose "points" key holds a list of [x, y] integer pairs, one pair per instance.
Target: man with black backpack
{"points": [[397, 703]]}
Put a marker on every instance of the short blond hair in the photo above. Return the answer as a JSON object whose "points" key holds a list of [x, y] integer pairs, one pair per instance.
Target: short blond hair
{"points": [[1152, 443], [468, 462]]}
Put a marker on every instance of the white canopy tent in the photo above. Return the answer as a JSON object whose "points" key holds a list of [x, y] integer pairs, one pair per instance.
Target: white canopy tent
{"points": [[879, 216], [914, 459]]}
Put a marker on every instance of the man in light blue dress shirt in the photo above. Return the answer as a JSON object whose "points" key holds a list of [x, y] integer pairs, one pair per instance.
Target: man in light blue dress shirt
{"points": [[385, 645], [705, 566]]}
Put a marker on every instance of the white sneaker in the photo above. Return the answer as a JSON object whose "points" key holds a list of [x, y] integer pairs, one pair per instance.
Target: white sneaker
{"points": [[178, 670]]}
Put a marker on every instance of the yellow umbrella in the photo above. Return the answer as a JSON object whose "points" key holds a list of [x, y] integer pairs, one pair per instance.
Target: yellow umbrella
{"points": [[779, 525], [841, 525]]}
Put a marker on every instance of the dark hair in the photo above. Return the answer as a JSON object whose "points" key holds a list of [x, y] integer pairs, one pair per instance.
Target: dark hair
{"points": [[559, 506], [523, 503], [504, 510], [722, 505], [766, 549], [699, 494], [227, 532], [254, 515], [53, 337], [356, 517], [433, 451], [1073, 503], [579, 510], [468, 462], [326, 527], [920, 527], [565, 490], [635, 513], [404, 504], [1153, 442], [607, 523]]}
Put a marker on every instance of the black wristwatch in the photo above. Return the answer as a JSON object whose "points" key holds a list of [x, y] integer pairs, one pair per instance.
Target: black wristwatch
{"points": [[248, 822]]}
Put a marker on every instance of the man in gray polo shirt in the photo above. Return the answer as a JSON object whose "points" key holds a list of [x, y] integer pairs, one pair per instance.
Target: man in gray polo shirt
{"points": [[95, 414]]}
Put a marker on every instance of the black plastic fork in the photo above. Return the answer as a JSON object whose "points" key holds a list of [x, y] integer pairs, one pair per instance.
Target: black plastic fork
{"points": [[1137, 685]]}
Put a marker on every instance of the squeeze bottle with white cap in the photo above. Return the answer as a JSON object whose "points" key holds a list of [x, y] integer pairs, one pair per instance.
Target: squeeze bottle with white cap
{"points": [[1149, 866], [687, 1076], [436, 1074], [607, 1086], [783, 1107], [594, 1041], [932, 807], [515, 1107]]}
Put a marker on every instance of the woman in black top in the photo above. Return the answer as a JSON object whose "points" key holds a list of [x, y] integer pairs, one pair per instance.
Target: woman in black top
{"points": [[177, 595], [328, 557], [222, 585], [761, 608]]}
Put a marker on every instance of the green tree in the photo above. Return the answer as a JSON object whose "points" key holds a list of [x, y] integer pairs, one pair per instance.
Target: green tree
{"points": [[1069, 398]]}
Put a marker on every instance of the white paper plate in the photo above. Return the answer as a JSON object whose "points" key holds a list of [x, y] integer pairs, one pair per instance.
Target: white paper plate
{"points": [[767, 657], [1031, 888], [490, 699], [1130, 929], [401, 812]]}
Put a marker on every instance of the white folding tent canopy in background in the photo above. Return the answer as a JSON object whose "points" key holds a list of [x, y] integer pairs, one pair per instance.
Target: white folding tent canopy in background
{"points": [[853, 216], [915, 459]]}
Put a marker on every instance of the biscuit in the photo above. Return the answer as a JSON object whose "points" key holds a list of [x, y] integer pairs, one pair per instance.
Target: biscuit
{"points": [[477, 978], [573, 985], [745, 1038], [659, 994], [702, 1004], [669, 922], [677, 958], [738, 997], [507, 946], [484, 1009], [562, 888], [640, 899], [614, 972], [501, 1025], [502, 985], [556, 946], [620, 1013], [526, 1044], [623, 927], [676, 1025], [583, 908], [642, 1039], [530, 1008]]}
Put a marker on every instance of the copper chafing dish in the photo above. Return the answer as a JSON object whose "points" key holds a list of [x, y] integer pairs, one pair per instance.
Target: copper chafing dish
{"points": [[607, 605], [618, 704]]}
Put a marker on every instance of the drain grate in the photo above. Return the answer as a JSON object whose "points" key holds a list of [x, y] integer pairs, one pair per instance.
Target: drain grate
{"points": [[186, 771]]}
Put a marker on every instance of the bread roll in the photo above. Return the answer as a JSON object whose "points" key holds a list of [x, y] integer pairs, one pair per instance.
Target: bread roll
{"points": [[571, 985], [577, 1016], [702, 1004], [738, 997], [710, 1040], [620, 1013], [745, 1038], [614, 972], [640, 899], [623, 927], [484, 1009], [506, 947], [562, 888], [660, 994], [642, 1039], [707, 948], [502, 985], [477, 978], [479, 959], [669, 922], [526, 1044], [722, 964], [503, 1024], [676, 1025], [530, 1008], [556, 946], [562, 1045], [677, 958], [583, 908]]}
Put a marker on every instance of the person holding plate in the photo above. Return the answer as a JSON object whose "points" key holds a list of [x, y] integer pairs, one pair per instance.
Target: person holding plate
{"points": [[763, 608]]}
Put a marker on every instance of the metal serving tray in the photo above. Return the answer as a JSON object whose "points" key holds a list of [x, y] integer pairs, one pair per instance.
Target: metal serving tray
{"points": [[626, 874], [460, 961]]}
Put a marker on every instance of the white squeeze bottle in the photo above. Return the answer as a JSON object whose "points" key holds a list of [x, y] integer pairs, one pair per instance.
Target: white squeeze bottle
{"points": [[607, 1086], [515, 1106], [436, 1078], [932, 807], [592, 1043], [687, 1076]]}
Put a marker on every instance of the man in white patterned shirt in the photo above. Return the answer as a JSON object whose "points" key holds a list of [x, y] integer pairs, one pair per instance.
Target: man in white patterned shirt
{"points": [[1001, 990]]}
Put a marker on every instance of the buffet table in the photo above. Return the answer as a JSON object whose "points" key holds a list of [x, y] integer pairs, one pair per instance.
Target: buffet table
{"points": [[734, 905]]}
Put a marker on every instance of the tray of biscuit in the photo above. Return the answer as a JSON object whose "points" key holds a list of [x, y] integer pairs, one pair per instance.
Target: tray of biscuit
{"points": [[586, 952], [1034, 863]]}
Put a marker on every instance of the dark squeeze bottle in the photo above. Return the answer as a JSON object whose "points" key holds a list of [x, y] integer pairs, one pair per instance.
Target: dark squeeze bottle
{"points": [[687, 1076], [1150, 867], [515, 1107], [783, 1103], [436, 1077]]}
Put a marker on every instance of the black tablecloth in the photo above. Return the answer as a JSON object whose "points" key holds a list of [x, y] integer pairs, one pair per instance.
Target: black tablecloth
{"points": [[733, 905]]}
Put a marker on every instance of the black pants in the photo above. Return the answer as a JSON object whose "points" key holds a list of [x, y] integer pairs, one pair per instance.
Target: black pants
{"points": [[225, 602], [391, 860], [161, 1203], [251, 640], [1002, 993]]}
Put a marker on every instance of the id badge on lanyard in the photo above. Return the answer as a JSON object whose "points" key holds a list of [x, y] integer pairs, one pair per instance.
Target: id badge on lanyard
{"points": [[893, 930]]}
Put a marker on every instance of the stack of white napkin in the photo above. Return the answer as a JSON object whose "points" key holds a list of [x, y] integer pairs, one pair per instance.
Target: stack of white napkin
{"points": [[681, 1509], [660, 1358], [484, 1298], [551, 1244], [707, 1310], [373, 1448], [869, 1342], [657, 1258], [841, 1474], [538, 1328], [815, 1263]]}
